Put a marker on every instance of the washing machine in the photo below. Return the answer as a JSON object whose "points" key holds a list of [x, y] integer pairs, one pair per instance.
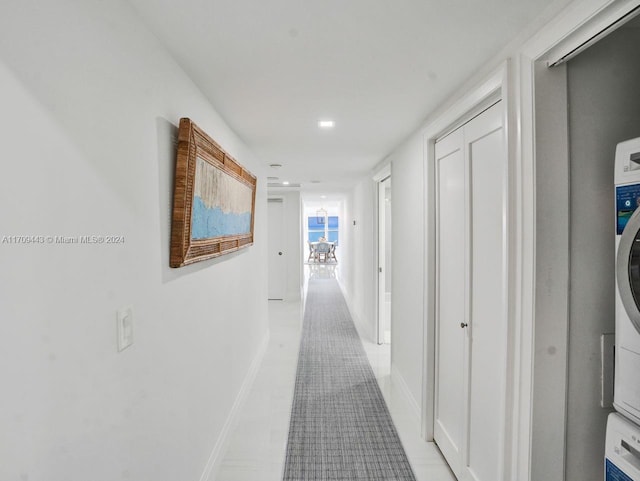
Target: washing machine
{"points": [[622, 450], [627, 350]]}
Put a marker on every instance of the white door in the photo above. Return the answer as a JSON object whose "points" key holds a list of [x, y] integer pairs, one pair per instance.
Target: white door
{"points": [[277, 266], [487, 313], [451, 291], [384, 261], [472, 279]]}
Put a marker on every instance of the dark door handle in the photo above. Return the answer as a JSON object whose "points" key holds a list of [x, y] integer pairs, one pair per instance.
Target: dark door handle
{"points": [[279, 253], [463, 325]]}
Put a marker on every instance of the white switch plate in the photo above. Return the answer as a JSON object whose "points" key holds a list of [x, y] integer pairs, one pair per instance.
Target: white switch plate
{"points": [[124, 318], [607, 352]]}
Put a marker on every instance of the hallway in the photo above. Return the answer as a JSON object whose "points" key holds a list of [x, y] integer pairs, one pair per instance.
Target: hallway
{"points": [[117, 365], [258, 441]]}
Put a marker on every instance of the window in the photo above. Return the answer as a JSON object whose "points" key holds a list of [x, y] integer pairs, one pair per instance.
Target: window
{"points": [[332, 229], [326, 227], [316, 228]]}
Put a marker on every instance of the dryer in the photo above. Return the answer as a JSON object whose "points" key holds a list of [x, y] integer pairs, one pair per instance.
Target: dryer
{"points": [[622, 450], [627, 351]]}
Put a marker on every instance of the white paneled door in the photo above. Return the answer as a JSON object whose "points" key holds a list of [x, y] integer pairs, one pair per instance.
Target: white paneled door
{"points": [[384, 261], [451, 291], [277, 265], [471, 334]]}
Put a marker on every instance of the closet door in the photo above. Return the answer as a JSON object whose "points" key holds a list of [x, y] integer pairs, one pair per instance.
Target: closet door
{"points": [[471, 304], [451, 292], [487, 301]]}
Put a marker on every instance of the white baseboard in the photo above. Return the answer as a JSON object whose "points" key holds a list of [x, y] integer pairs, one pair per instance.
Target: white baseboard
{"points": [[397, 378], [220, 448]]}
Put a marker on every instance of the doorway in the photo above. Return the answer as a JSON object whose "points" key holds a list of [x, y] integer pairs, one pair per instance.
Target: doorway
{"points": [[384, 261], [585, 103]]}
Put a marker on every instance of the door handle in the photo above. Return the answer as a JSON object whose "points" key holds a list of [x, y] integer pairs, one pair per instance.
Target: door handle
{"points": [[279, 253], [463, 325]]}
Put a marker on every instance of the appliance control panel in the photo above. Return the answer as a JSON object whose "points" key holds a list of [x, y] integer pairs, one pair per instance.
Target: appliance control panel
{"points": [[627, 201]]}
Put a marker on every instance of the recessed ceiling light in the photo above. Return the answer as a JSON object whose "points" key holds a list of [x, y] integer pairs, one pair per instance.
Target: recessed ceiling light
{"points": [[285, 182], [326, 124], [323, 196]]}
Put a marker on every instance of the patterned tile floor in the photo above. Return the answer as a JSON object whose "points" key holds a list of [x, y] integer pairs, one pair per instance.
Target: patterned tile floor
{"points": [[256, 450]]}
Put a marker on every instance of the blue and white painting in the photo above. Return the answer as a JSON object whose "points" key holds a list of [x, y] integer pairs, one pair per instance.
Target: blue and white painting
{"points": [[221, 204]]}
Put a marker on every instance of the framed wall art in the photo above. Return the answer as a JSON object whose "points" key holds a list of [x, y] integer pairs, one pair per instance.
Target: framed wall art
{"points": [[213, 200]]}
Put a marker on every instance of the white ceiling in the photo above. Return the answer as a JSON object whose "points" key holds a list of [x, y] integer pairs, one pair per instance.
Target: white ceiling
{"points": [[273, 68]]}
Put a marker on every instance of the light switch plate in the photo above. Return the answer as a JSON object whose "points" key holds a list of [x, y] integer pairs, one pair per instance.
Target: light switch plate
{"points": [[124, 318], [607, 355]]}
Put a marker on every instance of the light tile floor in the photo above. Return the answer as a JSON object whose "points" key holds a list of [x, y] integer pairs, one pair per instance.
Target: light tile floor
{"points": [[257, 445]]}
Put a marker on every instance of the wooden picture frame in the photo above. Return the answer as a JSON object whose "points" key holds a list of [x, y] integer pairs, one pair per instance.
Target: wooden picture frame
{"points": [[213, 200]]}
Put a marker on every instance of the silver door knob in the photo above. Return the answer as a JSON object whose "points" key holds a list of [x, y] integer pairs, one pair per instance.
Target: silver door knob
{"points": [[463, 325]]}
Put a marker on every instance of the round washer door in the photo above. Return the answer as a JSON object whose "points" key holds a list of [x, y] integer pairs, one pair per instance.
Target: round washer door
{"points": [[628, 269]]}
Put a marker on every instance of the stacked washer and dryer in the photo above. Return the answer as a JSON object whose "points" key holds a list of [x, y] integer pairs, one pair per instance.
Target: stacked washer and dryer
{"points": [[622, 451]]}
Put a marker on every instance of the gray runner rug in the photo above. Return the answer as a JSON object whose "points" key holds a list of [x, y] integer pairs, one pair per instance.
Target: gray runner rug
{"points": [[340, 426]]}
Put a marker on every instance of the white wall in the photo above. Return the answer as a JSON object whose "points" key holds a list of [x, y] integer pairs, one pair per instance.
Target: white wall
{"points": [[360, 265], [357, 258], [604, 109], [407, 307], [549, 397], [90, 102]]}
